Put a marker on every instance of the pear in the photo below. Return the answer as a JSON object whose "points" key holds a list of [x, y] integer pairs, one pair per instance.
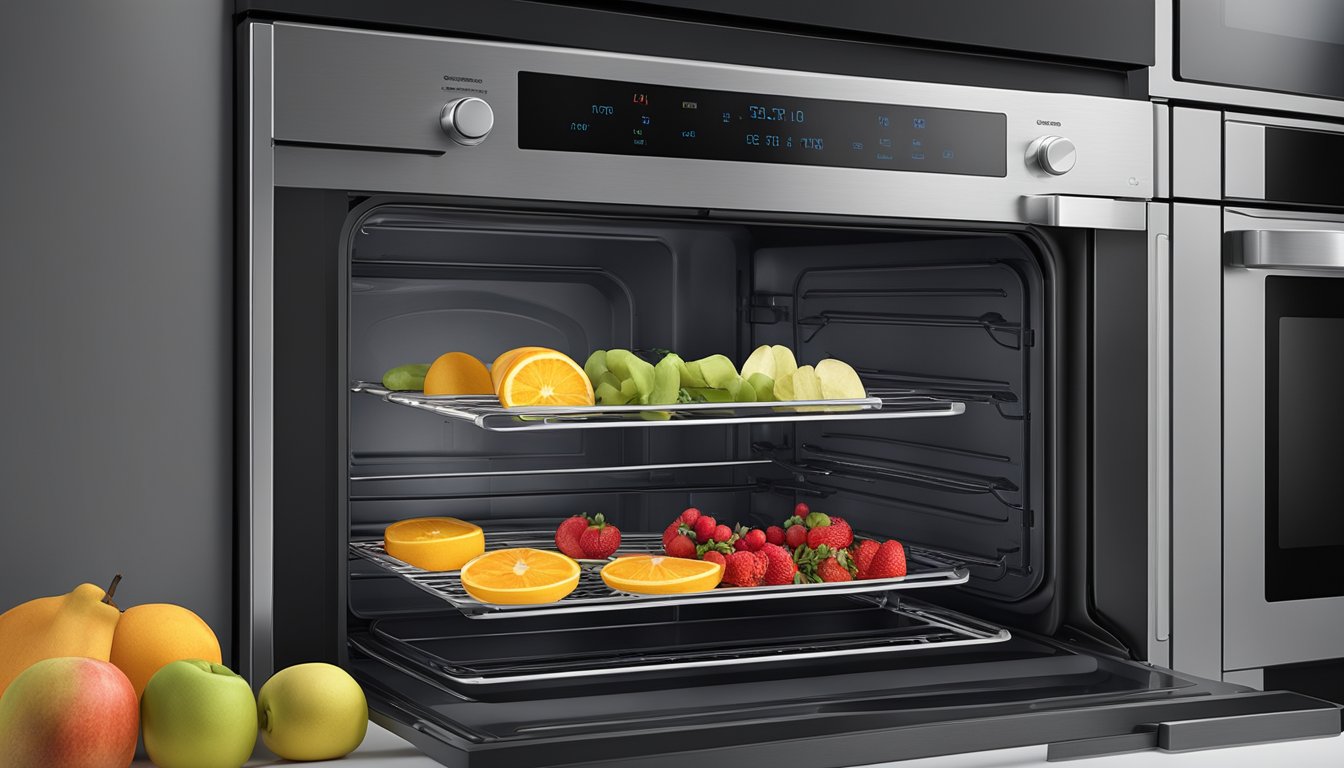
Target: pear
{"points": [[762, 360], [80, 623]]}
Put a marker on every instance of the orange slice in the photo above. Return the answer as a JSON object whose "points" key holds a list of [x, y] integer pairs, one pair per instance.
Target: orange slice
{"points": [[434, 543], [501, 364], [520, 576], [457, 373], [544, 377], [659, 575]]}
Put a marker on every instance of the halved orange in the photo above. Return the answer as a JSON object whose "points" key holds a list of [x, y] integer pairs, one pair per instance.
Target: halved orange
{"points": [[457, 373], [501, 364], [544, 377], [660, 575], [520, 576], [434, 543]]}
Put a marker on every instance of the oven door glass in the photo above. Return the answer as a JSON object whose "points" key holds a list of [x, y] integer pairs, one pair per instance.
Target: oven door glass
{"points": [[1304, 431], [1293, 46]]}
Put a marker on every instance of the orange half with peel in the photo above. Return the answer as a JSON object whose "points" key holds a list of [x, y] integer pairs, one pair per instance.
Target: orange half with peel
{"points": [[661, 575], [434, 543], [544, 377], [520, 576]]}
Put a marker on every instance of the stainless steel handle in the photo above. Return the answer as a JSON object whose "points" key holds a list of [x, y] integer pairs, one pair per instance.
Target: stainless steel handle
{"points": [[1085, 212], [1159, 428], [1288, 249]]}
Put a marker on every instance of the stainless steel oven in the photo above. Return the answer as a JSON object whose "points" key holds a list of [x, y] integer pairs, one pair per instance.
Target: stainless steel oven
{"points": [[1280, 56], [988, 260]]}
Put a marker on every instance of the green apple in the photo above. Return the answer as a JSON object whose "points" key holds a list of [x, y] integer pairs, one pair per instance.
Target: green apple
{"points": [[198, 715], [312, 712]]}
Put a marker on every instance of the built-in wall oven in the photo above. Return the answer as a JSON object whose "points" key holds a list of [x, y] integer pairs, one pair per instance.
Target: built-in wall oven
{"points": [[1265, 257], [987, 259], [1280, 56]]}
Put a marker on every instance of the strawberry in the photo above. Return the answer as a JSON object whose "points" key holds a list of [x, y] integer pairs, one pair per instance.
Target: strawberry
{"points": [[681, 545], [800, 509], [830, 569], [715, 556], [863, 555], [744, 569], [775, 535], [835, 534], [795, 536], [887, 563], [779, 568], [722, 533], [567, 535], [673, 529], [704, 528], [600, 540], [740, 545], [755, 539], [690, 515]]}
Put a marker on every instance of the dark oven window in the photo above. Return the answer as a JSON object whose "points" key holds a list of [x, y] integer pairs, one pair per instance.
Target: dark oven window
{"points": [[1293, 46], [1304, 431]]}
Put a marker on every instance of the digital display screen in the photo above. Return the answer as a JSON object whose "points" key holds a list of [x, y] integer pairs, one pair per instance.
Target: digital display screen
{"points": [[574, 114]]}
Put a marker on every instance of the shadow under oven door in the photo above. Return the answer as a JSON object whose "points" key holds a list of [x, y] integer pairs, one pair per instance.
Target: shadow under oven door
{"points": [[1283, 450]]}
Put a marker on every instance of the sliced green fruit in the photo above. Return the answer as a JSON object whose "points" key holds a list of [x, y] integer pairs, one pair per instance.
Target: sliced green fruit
{"points": [[717, 370], [806, 386], [785, 365], [627, 365], [607, 377], [406, 377], [691, 375], [709, 395], [596, 365], [609, 394], [666, 386], [741, 390], [762, 360], [839, 381], [629, 392], [763, 385], [784, 387]]}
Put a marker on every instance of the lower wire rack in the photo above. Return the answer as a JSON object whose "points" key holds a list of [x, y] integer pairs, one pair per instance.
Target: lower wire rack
{"points": [[925, 568]]}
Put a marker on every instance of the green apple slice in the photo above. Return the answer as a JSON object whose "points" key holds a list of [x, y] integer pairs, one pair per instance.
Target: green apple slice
{"points": [[762, 361], [596, 365], [763, 385], [785, 365], [784, 387], [806, 386], [607, 394], [718, 371], [839, 381]]}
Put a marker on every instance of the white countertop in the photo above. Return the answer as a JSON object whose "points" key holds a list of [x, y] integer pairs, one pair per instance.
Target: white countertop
{"points": [[381, 748]]}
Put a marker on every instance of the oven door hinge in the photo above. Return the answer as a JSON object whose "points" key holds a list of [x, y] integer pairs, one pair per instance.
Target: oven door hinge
{"points": [[769, 308]]}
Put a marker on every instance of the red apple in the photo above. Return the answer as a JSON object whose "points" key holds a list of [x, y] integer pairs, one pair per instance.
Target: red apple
{"points": [[72, 712]]}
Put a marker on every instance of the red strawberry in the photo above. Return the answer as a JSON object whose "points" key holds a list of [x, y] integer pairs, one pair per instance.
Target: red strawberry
{"points": [[681, 545], [887, 563], [775, 535], [600, 540], [795, 536], [671, 531], [755, 539], [837, 535], [567, 535], [800, 509], [704, 528], [690, 515], [715, 556], [740, 545], [830, 569], [779, 568], [744, 569], [863, 555], [722, 533]]}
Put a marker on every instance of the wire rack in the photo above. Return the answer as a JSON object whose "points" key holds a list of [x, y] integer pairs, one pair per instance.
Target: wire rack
{"points": [[485, 411], [925, 568]]}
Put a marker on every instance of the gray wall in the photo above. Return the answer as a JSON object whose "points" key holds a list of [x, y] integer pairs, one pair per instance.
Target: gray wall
{"points": [[116, 302]]}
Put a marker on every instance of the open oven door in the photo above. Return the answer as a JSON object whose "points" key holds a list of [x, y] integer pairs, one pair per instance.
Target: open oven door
{"points": [[1022, 691]]}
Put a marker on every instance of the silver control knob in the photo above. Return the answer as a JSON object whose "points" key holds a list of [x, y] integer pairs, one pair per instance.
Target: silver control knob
{"points": [[1055, 155], [467, 121]]}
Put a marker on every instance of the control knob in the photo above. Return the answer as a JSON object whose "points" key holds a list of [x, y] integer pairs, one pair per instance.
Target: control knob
{"points": [[1055, 155], [467, 121]]}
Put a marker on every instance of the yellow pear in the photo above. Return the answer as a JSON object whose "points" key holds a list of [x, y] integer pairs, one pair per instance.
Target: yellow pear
{"points": [[80, 623]]}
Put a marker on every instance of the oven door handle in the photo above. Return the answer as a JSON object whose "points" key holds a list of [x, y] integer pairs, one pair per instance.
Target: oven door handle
{"points": [[1085, 212], [1315, 249]]}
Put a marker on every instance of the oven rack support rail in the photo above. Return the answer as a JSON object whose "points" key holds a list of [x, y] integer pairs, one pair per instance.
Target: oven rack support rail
{"points": [[485, 411], [926, 568]]}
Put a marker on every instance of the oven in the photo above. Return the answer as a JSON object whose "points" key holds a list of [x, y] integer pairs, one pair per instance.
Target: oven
{"points": [[988, 260], [1281, 56]]}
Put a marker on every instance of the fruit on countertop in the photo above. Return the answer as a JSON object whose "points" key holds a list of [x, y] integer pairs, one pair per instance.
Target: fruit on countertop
{"points": [[79, 623], [888, 562], [658, 575], [312, 712], [600, 539], [745, 569], [434, 543], [544, 377], [70, 712], [406, 378], [567, 535], [457, 373], [198, 714], [520, 576], [153, 635]]}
